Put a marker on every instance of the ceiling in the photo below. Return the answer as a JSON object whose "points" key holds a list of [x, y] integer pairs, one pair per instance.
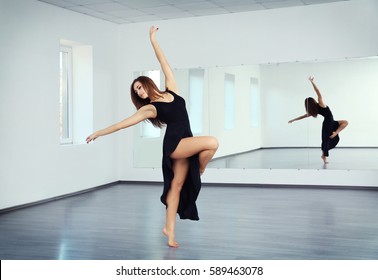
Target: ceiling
{"points": [[131, 11]]}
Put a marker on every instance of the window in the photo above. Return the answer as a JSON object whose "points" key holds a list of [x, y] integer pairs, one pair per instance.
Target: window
{"points": [[229, 101], [196, 88], [65, 96], [255, 102], [76, 92]]}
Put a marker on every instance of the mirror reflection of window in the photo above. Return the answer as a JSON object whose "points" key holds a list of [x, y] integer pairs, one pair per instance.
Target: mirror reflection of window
{"points": [[147, 130], [255, 102], [229, 101], [196, 89]]}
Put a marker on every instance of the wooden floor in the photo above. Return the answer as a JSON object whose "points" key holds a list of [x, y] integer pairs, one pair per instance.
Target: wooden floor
{"points": [[124, 221]]}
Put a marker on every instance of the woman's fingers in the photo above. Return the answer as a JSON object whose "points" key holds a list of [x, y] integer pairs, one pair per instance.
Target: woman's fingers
{"points": [[153, 29], [90, 138]]}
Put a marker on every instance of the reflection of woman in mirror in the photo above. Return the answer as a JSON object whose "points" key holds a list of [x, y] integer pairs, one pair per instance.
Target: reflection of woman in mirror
{"points": [[330, 128], [184, 157]]}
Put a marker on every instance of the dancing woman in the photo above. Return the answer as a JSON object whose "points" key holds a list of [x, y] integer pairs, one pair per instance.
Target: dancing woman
{"points": [[330, 127], [185, 156]]}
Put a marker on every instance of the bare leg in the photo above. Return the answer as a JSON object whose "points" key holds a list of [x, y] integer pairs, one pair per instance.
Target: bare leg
{"points": [[342, 124], [180, 170], [204, 158], [204, 146]]}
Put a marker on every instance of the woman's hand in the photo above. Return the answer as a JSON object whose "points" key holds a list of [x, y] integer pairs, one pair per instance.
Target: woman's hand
{"points": [[91, 137], [153, 31], [311, 79]]}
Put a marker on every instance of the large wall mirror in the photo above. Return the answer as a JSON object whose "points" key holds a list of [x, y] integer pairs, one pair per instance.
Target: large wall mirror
{"points": [[247, 107]]}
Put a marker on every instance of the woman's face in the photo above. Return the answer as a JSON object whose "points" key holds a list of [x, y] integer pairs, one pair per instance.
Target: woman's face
{"points": [[139, 90]]}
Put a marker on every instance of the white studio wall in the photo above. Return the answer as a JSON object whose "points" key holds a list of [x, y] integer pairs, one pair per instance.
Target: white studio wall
{"points": [[33, 164]]}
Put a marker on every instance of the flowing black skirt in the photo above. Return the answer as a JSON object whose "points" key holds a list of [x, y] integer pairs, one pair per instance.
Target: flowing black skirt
{"points": [[187, 208], [327, 130]]}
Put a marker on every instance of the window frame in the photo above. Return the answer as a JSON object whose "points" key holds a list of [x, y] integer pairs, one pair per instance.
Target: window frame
{"points": [[66, 97]]}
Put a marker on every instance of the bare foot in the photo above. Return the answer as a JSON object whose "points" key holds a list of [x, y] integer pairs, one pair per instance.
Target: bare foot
{"points": [[171, 238], [334, 134], [324, 158]]}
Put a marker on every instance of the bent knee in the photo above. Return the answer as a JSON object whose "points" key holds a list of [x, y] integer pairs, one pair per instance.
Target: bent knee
{"points": [[344, 122], [213, 143]]}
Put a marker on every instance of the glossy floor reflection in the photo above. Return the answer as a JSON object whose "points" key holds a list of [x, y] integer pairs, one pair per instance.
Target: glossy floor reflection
{"points": [[236, 222], [301, 158]]}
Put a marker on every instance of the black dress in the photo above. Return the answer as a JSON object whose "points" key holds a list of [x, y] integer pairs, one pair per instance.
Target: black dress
{"points": [[328, 127], [175, 116]]}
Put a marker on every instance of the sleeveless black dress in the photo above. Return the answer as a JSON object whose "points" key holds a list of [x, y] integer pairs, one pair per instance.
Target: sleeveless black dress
{"points": [[328, 127], [175, 116]]}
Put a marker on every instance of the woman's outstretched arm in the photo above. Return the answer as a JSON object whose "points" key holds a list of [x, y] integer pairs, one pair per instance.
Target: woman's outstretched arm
{"points": [[320, 97], [170, 81], [145, 112], [299, 118]]}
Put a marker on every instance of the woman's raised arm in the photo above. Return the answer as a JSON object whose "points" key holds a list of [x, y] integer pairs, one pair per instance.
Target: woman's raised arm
{"points": [[170, 81], [320, 97]]}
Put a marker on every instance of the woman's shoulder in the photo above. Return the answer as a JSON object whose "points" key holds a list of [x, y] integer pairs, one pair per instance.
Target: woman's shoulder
{"points": [[147, 111], [148, 107], [174, 91], [170, 91]]}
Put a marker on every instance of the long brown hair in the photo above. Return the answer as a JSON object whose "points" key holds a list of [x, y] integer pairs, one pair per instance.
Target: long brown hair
{"points": [[311, 107], [152, 91]]}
